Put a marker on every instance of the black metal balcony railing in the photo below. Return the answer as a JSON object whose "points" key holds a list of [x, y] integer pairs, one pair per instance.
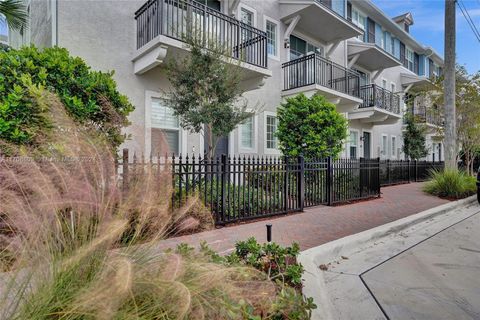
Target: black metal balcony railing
{"points": [[178, 18], [424, 114], [375, 96], [314, 69]]}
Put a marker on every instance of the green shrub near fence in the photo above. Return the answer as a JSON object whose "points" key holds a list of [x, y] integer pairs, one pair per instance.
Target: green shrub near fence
{"points": [[453, 184]]}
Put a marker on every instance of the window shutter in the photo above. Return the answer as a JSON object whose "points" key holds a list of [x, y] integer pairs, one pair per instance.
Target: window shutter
{"points": [[416, 61], [403, 59], [349, 11], [371, 30], [430, 68], [327, 3]]}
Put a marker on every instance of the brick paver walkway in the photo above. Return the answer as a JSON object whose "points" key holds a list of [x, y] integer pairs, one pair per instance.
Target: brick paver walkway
{"points": [[321, 224]]}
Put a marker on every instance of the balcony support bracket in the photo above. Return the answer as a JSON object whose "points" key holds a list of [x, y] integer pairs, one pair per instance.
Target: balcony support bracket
{"points": [[331, 47], [377, 73], [293, 23], [150, 59], [353, 60], [408, 88], [233, 7]]}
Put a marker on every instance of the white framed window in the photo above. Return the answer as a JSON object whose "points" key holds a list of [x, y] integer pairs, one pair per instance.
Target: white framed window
{"points": [[271, 129], [410, 56], [353, 144], [247, 15], [384, 146], [393, 87], [273, 37], [165, 128], [247, 134], [360, 20], [300, 47], [394, 146]]}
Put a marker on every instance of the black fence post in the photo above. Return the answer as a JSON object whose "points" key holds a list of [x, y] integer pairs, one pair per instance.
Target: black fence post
{"points": [[223, 185], [301, 183], [360, 176], [125, 170], [329, 181], [285, 184], [409, 170], [378, 177], [388, 171], [416, 169]]}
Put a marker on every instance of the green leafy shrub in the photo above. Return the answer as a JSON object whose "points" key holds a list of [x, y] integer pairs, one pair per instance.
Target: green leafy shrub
{"points": [[90, 97], [452, 184], [280, 264], [311, 127]]}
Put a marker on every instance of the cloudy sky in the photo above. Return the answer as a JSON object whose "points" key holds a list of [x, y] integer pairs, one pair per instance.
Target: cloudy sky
{"points": [[428, 16]]}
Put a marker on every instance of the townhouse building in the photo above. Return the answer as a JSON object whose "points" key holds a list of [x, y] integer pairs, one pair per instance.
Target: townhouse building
{"points": [[363, 61]]}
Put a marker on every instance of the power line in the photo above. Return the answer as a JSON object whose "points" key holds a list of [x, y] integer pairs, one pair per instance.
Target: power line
{"points": [[468, 18]]}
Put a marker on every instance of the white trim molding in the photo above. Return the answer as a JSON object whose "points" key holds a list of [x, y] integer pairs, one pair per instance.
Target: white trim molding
{"points": [[149, 95], [266, 150], [277, 23]]}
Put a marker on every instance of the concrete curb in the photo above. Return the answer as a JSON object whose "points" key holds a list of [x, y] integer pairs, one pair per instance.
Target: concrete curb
{"points": [[316, 285]]}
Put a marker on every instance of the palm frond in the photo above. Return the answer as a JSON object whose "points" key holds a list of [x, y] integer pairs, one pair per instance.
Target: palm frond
{"points": [[15, 13]]}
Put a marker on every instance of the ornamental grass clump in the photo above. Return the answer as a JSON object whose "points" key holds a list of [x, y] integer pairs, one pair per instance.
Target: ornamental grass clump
{"points": [[74, 245], [451, 184]]}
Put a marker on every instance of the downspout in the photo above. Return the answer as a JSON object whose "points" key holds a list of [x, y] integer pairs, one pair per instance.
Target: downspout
{"points": [[54, 4]]}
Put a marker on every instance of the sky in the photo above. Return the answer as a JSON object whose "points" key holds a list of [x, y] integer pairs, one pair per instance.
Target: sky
{"points": [[428, 28]]}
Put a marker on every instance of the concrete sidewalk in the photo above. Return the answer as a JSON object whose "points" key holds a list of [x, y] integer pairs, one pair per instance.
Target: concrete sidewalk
{"points": [[425, 266], [321, 224]]}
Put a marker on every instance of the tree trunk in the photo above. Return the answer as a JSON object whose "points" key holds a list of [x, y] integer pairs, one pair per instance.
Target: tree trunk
{"points": [[449, 85]]}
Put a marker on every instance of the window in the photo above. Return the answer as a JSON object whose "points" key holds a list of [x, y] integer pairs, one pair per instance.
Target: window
{"points": [[384, 145], [272, 30], [393, 87], [271, 129], [410, 60], [246, 16], [353, 141], [165, 128], [300, 48], [384, 84], [392, 46], [394, 147], [360, 21], [247, 134]]}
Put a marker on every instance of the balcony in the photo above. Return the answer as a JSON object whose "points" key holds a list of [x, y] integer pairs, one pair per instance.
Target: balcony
{"points": [[370, 56], [428, 116], [163, 24], [379, 106], [311, 16], [313, 73]]}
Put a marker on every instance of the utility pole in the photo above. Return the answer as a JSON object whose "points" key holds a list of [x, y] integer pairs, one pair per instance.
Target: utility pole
{"points": [[449, 87]]}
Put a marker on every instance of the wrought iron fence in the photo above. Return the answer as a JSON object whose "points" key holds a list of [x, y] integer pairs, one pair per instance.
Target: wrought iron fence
{"points": [[242, 188], [315, 69], [405, 171], [375, 96], [178, 18]]}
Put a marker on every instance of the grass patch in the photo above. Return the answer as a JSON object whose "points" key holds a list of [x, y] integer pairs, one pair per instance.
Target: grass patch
{"points": [[451, 184]]}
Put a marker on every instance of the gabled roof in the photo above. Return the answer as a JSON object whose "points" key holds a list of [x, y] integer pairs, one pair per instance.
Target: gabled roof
{"points": [[407, 17]]}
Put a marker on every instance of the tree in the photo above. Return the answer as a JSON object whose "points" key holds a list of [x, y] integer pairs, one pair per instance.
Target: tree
{"points": [[468, 116], [15, 13], [206, 91], [467, 105], [449, 87], [414, 139], [311, 127]]}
